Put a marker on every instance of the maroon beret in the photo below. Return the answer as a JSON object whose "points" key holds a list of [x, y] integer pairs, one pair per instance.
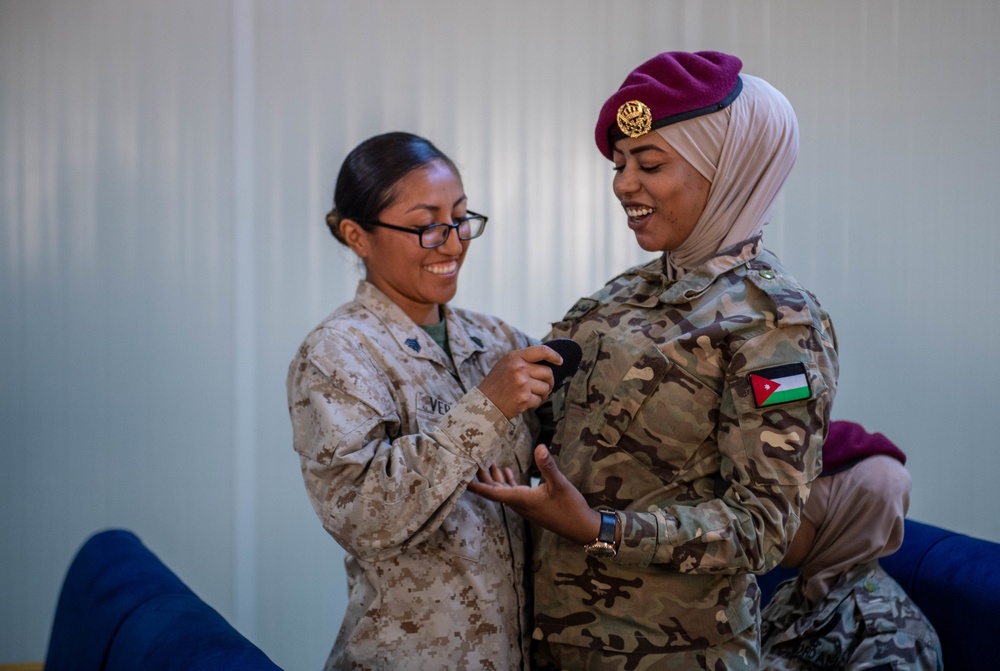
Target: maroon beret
{"points": [[668, 88], [847, 443]]}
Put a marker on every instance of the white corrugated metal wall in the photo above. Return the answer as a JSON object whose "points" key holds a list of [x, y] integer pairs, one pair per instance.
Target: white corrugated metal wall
{"points": [[165, 169]]}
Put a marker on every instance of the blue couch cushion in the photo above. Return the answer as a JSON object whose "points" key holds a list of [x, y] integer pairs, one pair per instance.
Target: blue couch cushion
{"points": [[176, 632]]}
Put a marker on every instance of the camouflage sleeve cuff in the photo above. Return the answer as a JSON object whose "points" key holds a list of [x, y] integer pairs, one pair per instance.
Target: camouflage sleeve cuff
{"points": [[475, 427], [642, 535]]}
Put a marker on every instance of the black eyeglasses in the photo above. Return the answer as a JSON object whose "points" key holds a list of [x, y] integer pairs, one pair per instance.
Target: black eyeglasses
{"points": [[435, 235]]}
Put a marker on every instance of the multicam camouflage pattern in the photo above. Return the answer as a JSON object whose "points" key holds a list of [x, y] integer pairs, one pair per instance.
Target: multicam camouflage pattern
{"points": [[739, 653], [389, 432], [660, 424], [866, 622]]}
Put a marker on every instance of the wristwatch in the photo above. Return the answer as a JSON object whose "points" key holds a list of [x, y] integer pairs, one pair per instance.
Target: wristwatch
{"points": [[603, 546]]}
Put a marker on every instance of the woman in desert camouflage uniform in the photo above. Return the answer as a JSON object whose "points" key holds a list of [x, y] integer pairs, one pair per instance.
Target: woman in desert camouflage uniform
{"points": [[686, 445], [396, 399]]}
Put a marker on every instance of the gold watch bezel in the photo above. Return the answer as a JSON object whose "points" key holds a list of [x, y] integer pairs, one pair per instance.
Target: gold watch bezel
{"points": [[601, 550]]}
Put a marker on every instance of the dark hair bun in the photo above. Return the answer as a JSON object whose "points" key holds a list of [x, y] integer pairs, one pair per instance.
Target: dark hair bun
{"points": [[333, 220]]}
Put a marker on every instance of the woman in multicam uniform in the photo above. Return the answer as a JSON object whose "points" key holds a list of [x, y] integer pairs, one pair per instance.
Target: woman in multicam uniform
{"points": [[843, 611], [686, 444], [396, 399]]}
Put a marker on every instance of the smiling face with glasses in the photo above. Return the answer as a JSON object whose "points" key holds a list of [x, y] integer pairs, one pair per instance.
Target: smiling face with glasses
{"points": [[408, 253]]}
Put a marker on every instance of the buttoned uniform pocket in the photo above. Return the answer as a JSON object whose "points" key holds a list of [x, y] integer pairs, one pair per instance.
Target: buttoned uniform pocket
{"points": [[636, 399]]}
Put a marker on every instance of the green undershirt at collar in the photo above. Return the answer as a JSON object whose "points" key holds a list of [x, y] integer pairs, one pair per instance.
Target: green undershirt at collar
{"points": [[439, 334]]}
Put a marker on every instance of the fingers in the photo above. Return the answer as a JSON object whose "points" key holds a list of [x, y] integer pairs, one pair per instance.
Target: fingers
{"points": [[493, 491], [517, 382], [543, 458], [484, 485], [540, 387], [548, 469], [527, 362], [496, 477], [481, 489], [537, 353]]}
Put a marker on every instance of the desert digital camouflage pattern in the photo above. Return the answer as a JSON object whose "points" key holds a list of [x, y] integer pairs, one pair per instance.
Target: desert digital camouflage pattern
{"points": [[389, 433], [661, 424], [866, 621]]}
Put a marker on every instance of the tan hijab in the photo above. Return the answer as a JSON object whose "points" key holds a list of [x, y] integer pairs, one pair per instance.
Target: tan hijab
{"points": [[746, 151], [858, 514]]}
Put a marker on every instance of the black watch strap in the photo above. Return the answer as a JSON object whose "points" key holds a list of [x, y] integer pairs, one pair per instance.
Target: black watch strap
{"points": [[608, 523]]}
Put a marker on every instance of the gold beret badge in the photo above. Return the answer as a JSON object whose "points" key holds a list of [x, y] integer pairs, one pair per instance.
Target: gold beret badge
{"points": [[634, 118]]}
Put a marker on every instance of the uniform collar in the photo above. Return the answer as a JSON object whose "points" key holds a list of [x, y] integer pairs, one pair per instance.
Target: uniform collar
{"points": [[413, 340], [816, 616], [653, 286]]}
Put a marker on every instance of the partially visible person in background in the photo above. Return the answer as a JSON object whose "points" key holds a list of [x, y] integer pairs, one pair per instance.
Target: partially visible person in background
{"points": [[843, 611], [689, 438], [396, 399]]}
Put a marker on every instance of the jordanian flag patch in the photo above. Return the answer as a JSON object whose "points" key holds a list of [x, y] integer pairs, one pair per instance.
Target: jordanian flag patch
{"points": [[781, 384]]}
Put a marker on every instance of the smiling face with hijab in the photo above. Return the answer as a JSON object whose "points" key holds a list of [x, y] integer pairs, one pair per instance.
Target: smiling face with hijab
{"points": [[743, 153]]}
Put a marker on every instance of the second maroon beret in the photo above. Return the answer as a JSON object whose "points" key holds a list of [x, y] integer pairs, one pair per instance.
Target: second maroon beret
{"points": [[848, 442]]}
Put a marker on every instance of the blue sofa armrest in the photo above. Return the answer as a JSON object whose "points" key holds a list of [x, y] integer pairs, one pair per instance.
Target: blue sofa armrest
{"points": [[180, 632], [112, 574], [955, 579], [120, 607]]}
